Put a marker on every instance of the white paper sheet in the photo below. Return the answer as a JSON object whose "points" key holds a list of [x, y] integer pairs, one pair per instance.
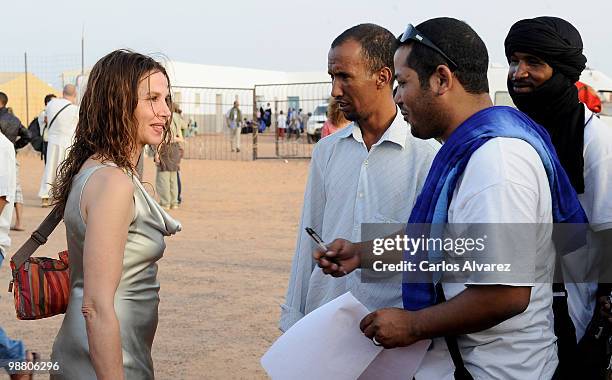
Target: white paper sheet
{"points": [[399, 363], [328, 344]]}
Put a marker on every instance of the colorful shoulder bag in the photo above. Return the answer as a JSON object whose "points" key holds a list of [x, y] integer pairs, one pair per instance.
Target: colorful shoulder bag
{"points": [[40, 285]]}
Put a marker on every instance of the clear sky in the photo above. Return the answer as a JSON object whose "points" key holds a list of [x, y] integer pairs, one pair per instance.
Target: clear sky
{"points": [[276, 34]]}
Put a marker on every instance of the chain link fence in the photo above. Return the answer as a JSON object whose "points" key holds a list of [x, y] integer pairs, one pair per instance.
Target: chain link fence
{"points": [[207, 133], [294, 112], [298, 113], [27, 79]]}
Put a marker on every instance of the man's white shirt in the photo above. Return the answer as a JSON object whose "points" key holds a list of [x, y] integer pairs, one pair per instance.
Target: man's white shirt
{"points": [[7, 189], [505, 182], [597, 204], [61, 132], [348, 186]]}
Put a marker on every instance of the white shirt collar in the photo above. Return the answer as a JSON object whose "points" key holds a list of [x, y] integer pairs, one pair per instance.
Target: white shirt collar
{"points": [[396, 133]]}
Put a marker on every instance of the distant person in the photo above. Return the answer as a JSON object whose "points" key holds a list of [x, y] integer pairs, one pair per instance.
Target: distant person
{"points": [[268, 115], [193, 127], [261, 123], [294, 124], [281, 125], [19, 136], [305, 116], [234, 123], [168, 161], [62, 118], [182, 124], [43, 123], [335, 119], [177, 118], [36, 128], [290, 112], [10, 349], [300, 120], [115, 230]]}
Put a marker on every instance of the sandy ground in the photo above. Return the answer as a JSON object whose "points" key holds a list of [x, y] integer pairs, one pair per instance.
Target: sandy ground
{"points": [[216, 146], [222, 278]]}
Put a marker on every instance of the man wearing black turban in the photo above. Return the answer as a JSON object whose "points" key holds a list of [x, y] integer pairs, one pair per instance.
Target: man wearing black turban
{"points": [[546, 60]]}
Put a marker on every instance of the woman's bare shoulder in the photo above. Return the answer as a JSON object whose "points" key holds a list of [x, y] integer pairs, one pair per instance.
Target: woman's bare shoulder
{"points": [[110, 183]]}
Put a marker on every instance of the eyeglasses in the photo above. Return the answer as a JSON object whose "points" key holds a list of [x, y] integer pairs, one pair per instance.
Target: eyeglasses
{"points": [[412, 33]]}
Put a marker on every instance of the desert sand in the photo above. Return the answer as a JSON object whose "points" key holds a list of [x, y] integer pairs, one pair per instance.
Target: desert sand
{"points": [[222, 277]]}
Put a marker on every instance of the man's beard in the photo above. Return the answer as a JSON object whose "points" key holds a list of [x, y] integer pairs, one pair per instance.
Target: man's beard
{"points": [[429, 120], [556, 107], [554, 97]]}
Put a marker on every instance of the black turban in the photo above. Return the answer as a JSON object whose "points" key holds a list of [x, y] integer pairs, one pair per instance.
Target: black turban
{"points": [[554, 104], [552, 39]]}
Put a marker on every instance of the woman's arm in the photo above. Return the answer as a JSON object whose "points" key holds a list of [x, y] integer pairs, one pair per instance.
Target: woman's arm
{"points": [[107, 205]]}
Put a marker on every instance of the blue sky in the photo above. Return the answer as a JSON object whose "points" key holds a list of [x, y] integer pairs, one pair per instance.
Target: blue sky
{"points": [[278, 35]]}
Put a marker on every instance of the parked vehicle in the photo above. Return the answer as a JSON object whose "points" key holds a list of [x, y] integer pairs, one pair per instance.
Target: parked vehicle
{"points": [[315, 123]]}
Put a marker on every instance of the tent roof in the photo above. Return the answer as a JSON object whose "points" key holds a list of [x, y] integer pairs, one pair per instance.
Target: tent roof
{"points": [[7, 77]]}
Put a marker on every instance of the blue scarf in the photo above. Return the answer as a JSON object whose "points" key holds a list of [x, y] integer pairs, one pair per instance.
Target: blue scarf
{"points": [[450, 162]]}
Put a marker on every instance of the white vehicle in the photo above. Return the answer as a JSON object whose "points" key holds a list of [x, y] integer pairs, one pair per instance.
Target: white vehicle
{"points": [[315, 123]]}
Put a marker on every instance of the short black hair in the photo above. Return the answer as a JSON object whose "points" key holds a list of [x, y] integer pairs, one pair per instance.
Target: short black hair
{"points": [[377, 44], [48, 98], [460, 43], [3, 99]]}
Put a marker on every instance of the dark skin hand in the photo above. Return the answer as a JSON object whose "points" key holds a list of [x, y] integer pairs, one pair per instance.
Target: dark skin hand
{"points": [[477, 308]]}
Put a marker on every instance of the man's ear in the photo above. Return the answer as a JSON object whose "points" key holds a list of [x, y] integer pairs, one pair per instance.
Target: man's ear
{"points": [[442, 80], [385, 76]]}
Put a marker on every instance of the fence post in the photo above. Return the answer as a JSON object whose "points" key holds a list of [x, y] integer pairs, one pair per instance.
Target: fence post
{"points": [[27, 93], [255, 124], [276, 132]]}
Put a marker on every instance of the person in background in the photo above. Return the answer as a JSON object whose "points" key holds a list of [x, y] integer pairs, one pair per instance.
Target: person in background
{"points": [[10, 349], [19, 135], [268, 115], [281, 125], [545, 56], [63, 116], [180, 125], [335, 119], [234, 123], [42, 125], [168, 161]]}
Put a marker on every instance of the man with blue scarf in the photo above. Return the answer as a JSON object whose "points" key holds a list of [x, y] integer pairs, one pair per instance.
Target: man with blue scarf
{"points": [[496, 166]]}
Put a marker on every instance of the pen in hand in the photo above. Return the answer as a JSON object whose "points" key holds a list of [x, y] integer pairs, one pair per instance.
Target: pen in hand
{"points": [[321, 245]]}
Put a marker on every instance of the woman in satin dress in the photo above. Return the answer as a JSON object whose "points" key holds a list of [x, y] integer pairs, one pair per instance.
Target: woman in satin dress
{"points": [[114, 229]]}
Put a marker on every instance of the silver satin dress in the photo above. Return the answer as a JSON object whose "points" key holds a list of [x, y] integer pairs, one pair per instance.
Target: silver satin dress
{"points": [[137, 295]]}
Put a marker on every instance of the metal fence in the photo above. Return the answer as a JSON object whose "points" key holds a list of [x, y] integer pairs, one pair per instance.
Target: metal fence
{"points": [[207, 135], [27, 79], [309, 101]]}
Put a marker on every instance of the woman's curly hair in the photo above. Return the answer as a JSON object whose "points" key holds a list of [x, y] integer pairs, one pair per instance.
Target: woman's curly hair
{"points": [[107, 128]]}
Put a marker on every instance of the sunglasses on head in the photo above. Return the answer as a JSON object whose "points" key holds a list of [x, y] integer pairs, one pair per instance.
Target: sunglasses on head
{"points": [[413, 34]]}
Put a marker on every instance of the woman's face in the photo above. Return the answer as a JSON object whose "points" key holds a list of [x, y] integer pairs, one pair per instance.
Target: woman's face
{"points": [[152, 112]]}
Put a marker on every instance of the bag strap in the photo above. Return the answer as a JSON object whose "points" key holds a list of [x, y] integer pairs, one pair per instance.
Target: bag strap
{"points": [[56, 115], [38, 237], [461, 373]]}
